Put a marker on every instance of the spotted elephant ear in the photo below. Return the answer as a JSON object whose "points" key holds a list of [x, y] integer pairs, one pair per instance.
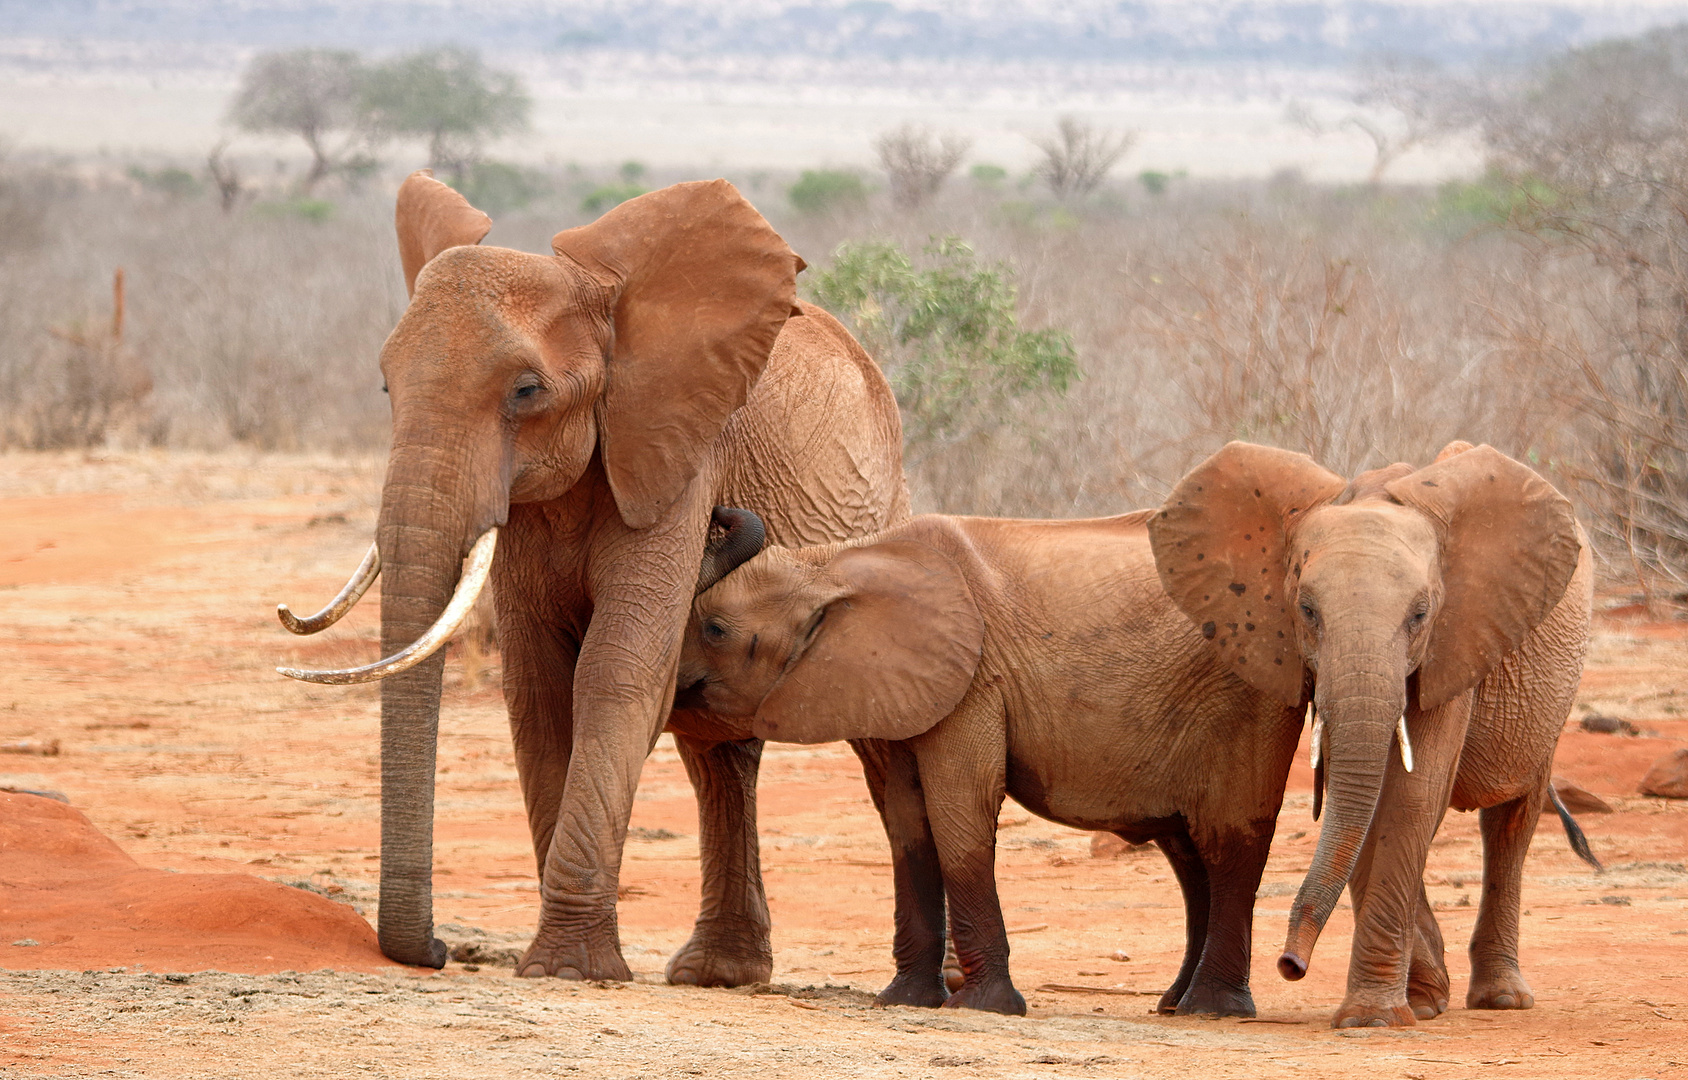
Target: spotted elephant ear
{"points": [[892, 654], [431, 217], [1509, 547], [1221, 546], [696, 286]]}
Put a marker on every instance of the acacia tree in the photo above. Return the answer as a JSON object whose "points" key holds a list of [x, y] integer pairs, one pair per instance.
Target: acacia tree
{"points": [[1402, 102], [1077, 158], [316, 94], [451, 98], [918, 162]]}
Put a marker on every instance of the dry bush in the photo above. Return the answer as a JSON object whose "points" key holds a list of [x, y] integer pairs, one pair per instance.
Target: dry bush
{"points": [[917, 162], [1077, 158]]}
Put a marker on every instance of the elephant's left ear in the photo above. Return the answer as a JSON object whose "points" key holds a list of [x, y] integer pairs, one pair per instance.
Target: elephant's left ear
{"points": [[431, 217], [1509, 548], [698, 286]]}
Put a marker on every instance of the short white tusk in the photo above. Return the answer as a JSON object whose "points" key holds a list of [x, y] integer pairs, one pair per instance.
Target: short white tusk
{"points": [[1406, 744], [468, 590], [362, 578], [1317, 751]]}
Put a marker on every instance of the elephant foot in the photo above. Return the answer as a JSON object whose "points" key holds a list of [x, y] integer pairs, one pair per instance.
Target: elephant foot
{"points": [[1427, 992], [921, 991], [989, 995], [1370, 1014], [552, 955], [1207, 999], [718, 955], [1507, 990]]}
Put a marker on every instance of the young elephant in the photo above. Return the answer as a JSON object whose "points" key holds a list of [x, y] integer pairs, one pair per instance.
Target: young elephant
{"points": [[1037, 658], [1439, 612]]}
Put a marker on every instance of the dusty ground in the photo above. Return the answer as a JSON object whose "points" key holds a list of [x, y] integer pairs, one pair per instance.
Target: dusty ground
{"points": [[136, 627]]}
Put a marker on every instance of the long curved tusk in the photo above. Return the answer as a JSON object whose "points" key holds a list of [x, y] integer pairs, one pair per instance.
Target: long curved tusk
{"points": [[468, 590], [362, 578], [1317, 750], [1406, 744]]}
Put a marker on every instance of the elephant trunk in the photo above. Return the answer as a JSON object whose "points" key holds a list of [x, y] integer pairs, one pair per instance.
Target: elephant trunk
{"points": [[421, 534], [1360, 701]]}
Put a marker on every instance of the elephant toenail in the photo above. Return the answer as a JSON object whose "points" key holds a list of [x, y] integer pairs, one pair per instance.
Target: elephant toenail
{"points": [[1377, 1021], [1503, 1001]]}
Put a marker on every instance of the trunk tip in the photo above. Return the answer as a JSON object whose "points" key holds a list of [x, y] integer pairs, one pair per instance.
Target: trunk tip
{"points": [[1291, 966]]}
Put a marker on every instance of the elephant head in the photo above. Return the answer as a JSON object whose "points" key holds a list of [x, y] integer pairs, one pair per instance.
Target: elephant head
{"points": [[508, 372], [876, 640], [1379, 600]]}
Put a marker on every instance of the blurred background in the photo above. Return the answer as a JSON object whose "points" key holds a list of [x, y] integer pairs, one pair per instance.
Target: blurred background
{"points": [[1088, 241]]}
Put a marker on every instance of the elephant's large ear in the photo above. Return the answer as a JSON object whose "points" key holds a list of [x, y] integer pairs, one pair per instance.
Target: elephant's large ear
{"points": [[889, 658], [430, 218], [700, 286], [1509, 548], [1221, 546]]}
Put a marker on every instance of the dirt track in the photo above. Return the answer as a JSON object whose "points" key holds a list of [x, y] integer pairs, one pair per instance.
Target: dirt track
{"points": [[136, 600]]}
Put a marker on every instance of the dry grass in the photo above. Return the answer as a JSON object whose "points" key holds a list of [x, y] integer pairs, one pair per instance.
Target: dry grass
{"points": [[1362, 327]]}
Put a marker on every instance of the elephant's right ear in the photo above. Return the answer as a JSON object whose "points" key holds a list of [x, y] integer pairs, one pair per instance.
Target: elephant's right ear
{"points": [[699, 286], [889, 659], [1221, 546], [430, 218]]}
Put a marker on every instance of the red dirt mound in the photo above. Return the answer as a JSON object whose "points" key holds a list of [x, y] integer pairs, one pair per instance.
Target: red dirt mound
{"points": [[87, 904]]}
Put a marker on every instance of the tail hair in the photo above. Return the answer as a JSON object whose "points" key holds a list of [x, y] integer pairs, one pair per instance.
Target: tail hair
{"points": [[1573, 831]]}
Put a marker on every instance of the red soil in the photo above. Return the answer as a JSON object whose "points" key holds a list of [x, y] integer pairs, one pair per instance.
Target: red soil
{"points": [[87, 904]]}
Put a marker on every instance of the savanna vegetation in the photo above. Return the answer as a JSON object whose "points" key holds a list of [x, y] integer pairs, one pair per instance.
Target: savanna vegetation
{"points": [[1067, 342]]}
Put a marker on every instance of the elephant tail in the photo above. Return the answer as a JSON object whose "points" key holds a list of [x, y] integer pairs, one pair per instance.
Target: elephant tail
{"points": [[1573, 832]]}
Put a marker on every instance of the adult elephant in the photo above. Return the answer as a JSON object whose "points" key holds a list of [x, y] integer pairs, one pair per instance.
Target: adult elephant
{"points": [[1439, 612], [569, 421]]}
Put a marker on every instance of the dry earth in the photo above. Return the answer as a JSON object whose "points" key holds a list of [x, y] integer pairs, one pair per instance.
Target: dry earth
{"points": [[136, 627]]}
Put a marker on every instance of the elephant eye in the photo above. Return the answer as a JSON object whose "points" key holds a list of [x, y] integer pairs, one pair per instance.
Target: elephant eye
{"points": [[1415, 621], [714, 631], [1309, 612], [527, 391]]}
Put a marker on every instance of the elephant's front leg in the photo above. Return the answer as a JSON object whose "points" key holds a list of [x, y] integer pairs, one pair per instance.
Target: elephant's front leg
{"points": [[1496, 981], [1388, 882], [623, 689], [730, 944], [963, 772], [1187, 867], [893, 779]]}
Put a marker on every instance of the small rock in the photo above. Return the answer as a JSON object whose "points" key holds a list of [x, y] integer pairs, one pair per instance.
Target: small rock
{"points": [[1600, 724], [1616, 901], [24, 943], [1668, 778], [1121, 955], [1577, 800], [1105, 845], [40, 747]]}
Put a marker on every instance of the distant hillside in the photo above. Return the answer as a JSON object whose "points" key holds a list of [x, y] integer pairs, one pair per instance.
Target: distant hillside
{"points": [[1316, 34]]}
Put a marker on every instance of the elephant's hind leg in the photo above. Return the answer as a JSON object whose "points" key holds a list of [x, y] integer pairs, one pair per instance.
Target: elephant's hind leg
{"points": [[729, 945], [1427, 976], [1233, 865], [1496, 982]]}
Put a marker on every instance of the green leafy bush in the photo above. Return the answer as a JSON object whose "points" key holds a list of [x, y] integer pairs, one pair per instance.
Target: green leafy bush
{"points": [[947, 335], [173, 181], [604, 196], [312, 210], [499, 187], [988, 176], [819, 191]]}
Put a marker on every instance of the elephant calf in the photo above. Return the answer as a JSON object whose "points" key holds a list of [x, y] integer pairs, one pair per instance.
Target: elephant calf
{"points": [[1040, 659]]}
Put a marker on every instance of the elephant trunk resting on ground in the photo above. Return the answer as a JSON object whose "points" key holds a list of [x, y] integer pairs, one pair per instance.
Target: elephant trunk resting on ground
{"points": [[583, 411]]}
